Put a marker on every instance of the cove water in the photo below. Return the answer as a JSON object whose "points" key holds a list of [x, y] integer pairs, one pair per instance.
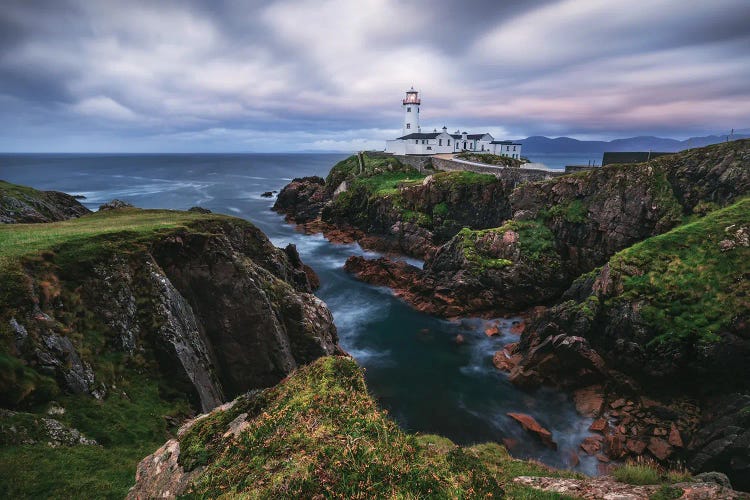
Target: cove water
{"points": [[413, 365]]}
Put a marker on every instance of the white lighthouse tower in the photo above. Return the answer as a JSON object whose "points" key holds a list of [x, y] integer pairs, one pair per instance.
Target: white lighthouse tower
{"points": [[411, 112]]}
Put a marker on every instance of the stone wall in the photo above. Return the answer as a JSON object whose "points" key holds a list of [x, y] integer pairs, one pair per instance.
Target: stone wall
{"points": [[515, 175]]}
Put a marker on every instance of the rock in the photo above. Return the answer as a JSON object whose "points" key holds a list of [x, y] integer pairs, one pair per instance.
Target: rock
{"points": [[21, 204], [674, 437], [506, 359], [713, 477], [199, 210], [267, 194], [606, 488], [591, 444], [492, 331], [517, 327], [161, 472], [459, 339], [114, 205], [659, 448], [589, 400], [636, 446], [598, 425], [602, 458], [532, 426]]}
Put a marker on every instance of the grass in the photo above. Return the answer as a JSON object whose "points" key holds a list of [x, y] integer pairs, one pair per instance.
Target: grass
{"points": [[535, 242], [128, 425], [451, 180], [17, 240], [647, 472], [691, 288], [490, 159], [320, 433]]}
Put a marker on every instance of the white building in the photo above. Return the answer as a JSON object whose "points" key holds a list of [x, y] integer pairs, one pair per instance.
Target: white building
{"points": [[415, 142]]}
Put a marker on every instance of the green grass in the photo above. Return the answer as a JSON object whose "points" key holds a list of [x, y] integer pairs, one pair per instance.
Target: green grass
{"points": [[490, 159], [451, 180], [319, 432], [637, 473], [535, 242], [692, 290], [128, 424], [646, 472], [387, 183], [17, 240]]}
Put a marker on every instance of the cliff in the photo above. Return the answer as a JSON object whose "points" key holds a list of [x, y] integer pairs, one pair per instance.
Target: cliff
{"points": [[667, 318], [19, 204], [118, 324], [391, 206], [564, 227]]}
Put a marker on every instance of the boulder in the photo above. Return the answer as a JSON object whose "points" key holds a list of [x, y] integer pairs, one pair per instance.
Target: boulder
{"points": [[532, 426]]}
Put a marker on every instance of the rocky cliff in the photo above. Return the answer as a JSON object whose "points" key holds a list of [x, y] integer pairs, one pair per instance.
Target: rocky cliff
{"points": [[389, 206], [668, 318], [22, 204], [191, 308], [564, 227]]}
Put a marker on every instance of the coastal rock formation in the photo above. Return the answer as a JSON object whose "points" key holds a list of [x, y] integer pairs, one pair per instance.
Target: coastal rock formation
{"points": [[564, 227], [333, 438], [22, 204], [669, 318], [394, 207], [209, 304]]}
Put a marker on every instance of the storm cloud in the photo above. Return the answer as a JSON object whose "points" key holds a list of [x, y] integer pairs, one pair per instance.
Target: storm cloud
{"points": [[329, 74]]}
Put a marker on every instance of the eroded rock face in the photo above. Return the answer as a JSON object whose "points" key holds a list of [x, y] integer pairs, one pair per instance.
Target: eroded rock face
{"points": [[20, 204], [220, 309], [302, 199]]}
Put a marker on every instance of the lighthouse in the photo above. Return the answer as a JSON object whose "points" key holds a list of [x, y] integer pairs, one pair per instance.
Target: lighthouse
{"points": [[411, 112]]}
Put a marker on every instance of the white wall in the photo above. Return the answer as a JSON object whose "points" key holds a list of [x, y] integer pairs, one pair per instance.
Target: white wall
{"points": [[411, 118]]}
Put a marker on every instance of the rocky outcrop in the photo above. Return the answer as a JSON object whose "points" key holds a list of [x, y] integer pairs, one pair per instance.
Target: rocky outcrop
{"points": [[213, 307], [320, 418], [567, 226], [668, 319], [19, 428], [607, 488], [21, 204], [412, 217]]}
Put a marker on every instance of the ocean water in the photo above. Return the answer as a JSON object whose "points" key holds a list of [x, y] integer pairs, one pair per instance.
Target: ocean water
{"points": [[560, 160], [412, 363]]}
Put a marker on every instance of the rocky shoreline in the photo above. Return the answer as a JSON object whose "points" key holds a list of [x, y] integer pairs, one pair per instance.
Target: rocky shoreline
{"points": [[547, 251]]}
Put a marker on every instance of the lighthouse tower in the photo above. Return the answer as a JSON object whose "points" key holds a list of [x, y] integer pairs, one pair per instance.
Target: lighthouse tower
{"points": [[411, 112]]}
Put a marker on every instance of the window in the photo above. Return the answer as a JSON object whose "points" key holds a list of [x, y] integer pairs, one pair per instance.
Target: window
{"points": [[429, 147], [408, 125], [423, 141], [408, 110], [514, 148], [449, 142], [440, 142], [416, 141]]}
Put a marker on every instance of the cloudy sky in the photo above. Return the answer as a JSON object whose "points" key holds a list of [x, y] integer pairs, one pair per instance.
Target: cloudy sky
{"points": [[98, 75]]}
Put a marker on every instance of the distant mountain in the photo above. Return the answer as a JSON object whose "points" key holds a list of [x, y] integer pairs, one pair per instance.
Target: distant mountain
{"points": [[541, 144]]}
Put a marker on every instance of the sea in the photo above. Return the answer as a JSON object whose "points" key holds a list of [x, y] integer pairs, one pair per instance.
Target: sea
{"points": [[413, 366]]}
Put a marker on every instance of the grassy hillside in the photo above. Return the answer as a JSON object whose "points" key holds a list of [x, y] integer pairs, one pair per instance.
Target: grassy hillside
{"points": [[319, 432], [692, 279]]}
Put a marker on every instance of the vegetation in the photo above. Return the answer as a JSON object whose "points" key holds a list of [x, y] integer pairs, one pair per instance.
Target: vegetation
{"points": [[535, 241], [451, 180], [574, 211], [132, 419], [643, 471], [320, 433], [490, 159], [127, 425], [690, 278], [365, 165]]}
